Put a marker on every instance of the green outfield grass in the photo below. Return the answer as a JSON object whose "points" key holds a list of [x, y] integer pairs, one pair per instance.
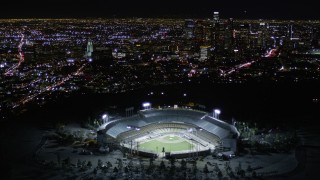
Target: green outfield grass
{"points": [[152, 145]]}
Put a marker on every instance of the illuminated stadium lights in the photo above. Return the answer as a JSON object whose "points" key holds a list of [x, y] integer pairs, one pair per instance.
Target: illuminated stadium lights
{"points": [[216, 113], [146, 105], [104, 118]]}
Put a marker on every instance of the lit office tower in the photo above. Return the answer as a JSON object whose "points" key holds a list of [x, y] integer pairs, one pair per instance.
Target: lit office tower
{"points": [[216, 29], [89, 49], [229, 34], [189, 27], [290, 31], [216, 19], [204, 53]]}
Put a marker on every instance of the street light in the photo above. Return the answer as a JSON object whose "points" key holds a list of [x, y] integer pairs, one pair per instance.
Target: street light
{"points": [[216, 113]]}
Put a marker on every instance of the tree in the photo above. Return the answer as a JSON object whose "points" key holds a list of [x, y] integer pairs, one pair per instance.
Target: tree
{"points": [[219, 175], [89, 164], [205, 170], [83, 165], [142, 166], [239, 168], [120, 164], [216, 167], [231, 174], [151, 166], [183, 164], [66, 162], [195, 168], [99, 163], [254, 174], [172, 170], [126, 169], [115, 170], [136, 170], [58, 159], [109, 165], [79, 163], [249, 169], [242, 173], [95, 171], [162, 166], [130, 165], [172, 161], [151, 161], [227, 167], [104, 169]]}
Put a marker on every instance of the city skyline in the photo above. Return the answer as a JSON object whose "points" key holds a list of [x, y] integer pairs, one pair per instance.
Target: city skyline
{"points": [[58, 57], [97, 89], [247, 9]]}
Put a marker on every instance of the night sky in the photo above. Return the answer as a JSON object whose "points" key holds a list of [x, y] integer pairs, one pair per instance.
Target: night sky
{"points": [[279, 9]]}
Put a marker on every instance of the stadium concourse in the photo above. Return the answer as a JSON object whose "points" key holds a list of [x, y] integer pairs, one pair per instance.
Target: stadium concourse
{"points": [[174, 132]]}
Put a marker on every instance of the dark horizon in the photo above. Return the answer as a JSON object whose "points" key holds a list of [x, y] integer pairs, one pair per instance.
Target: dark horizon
{"points": [[246, 9]]}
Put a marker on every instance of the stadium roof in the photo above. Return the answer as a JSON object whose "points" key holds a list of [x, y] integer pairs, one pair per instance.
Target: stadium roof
{"points": [[172, 115]]}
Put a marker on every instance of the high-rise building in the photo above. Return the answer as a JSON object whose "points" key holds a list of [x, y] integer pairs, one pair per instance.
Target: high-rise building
{"points": [[189, 28], [89, 49], [204, 53], [216, 29], [202, 32], [216, 19], [229, 35]]}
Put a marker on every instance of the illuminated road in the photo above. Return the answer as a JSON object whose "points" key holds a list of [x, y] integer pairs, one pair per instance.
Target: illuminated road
{"points": [[237, 67], [272, 53], [49, 88], [11, 70]]}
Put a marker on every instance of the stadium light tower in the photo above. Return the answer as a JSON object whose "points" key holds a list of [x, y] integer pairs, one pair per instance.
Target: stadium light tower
{"points": [[146, 105], [216, 113], [105, 118]]}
